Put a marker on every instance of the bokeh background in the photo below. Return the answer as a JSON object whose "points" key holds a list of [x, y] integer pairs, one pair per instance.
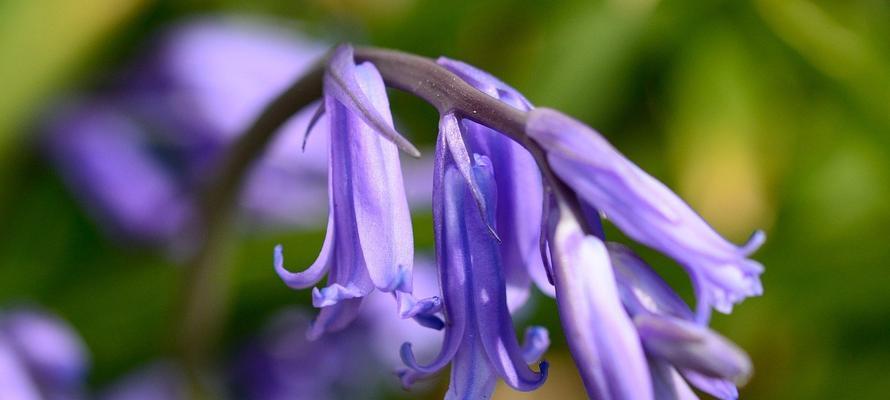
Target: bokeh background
{"points": [[771, 114]]}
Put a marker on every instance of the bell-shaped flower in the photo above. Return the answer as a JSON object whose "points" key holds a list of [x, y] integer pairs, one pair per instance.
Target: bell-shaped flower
{"points": [[369, 242], [520, 191], [647, 211], [479, 341], [670, 337], [601, 336]]}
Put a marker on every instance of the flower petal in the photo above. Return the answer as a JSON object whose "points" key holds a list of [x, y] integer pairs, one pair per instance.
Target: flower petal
{"points": [[667, 382], [332, 294], [519, 196], [382, 218], [719, 388], [690, 346], [536, 343], [471, 375], [642, 289], [489, 300], [310, 276], [450, 131], [601, 337], [334, 318]]}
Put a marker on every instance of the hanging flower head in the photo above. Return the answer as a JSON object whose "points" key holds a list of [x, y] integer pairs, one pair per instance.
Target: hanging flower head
{"points": [[518, 197]]}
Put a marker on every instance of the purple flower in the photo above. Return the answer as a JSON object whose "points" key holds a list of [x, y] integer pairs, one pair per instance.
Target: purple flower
{"points": [[519, 200], [41, 357], [671, 338], [159, 380], [280, 363], [369, 243], [480, 341], [355, 362], [166, 121], [601, 336], [647, 211]]}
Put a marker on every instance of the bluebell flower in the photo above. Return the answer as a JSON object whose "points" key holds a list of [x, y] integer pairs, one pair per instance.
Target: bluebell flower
{"points": [[647, 211], [369, 243], [671, 338], [601, 335], [480, 340], [519, 201], [499, 226], [41, 357]]}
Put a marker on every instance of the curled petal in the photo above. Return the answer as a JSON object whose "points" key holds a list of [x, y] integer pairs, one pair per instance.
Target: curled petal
{"points": [[334, 318], [313, 274], [410, 307], [340, 82], [601, 337], [330, 295], [423, 311], [646, 210], [537, 341], [693, 347]]}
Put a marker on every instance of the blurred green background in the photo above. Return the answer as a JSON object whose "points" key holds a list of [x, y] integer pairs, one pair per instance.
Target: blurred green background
{"points": [[770, 114]]}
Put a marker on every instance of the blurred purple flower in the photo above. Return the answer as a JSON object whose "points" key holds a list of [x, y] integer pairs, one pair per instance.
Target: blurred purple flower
{"points": [[280, 363], [162, 380], [41, 357], [136, 152], [356, 362]]}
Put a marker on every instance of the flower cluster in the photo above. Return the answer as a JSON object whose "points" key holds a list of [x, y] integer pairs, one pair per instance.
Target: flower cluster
{"points": [[501, 224]]}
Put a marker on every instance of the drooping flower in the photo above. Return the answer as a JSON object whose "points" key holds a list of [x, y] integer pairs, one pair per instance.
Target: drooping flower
{"points": [[480, 341], [671, 338], [369, 243], [601, 336], [647, 211], [519, 202], [40, 357]]}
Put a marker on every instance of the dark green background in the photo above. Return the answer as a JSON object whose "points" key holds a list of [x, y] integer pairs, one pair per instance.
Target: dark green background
{"points": [[770, 114]]}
